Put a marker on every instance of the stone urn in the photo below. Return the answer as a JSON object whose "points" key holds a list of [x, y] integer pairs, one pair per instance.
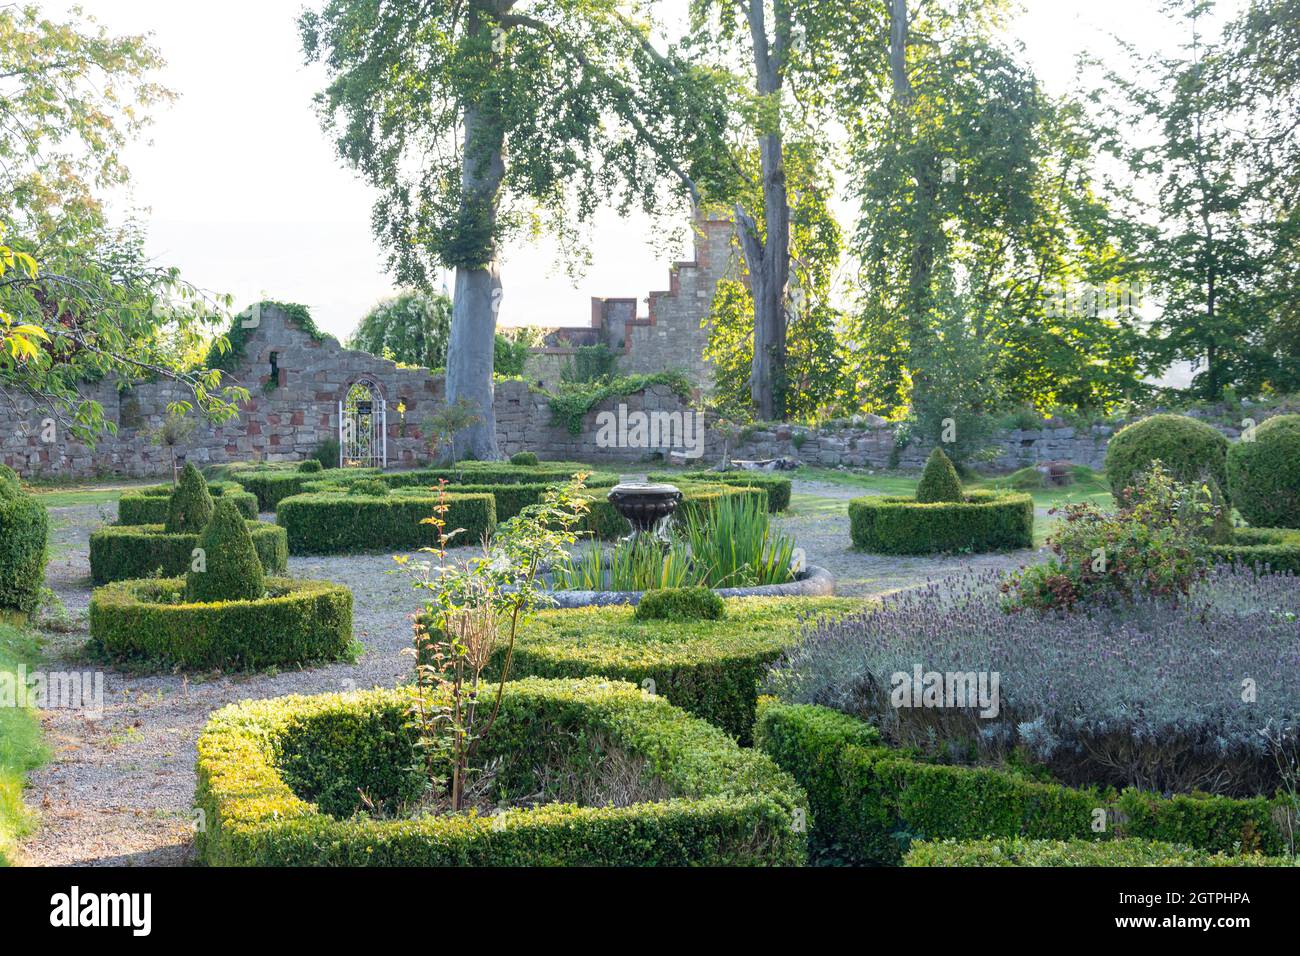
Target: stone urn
{"points": [[646, 505]]}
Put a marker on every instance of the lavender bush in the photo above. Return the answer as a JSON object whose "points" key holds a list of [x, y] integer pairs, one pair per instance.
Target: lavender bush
{"points": [[1168, 696]]}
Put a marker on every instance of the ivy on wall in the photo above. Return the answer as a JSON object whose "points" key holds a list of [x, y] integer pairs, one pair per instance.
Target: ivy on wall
{"points": [[571, 404], [238, 335]]}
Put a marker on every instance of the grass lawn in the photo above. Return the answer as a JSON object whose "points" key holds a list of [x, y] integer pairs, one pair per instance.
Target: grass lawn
{"points": [[21, 748]]}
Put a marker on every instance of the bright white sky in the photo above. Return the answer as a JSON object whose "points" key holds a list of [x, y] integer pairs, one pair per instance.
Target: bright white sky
{"points": [[241, 188]]}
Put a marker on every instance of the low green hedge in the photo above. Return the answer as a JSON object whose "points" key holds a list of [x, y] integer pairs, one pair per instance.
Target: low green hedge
{"points": [[985, 521], [708, 668], [149, 505], [24, 525], [1126, 853], [1279, 548], [476, 473], [777, 487], [604, 522], [278, 784], [272, 487], [150, 621], [340, 523], [119, 552], [870, 801]]}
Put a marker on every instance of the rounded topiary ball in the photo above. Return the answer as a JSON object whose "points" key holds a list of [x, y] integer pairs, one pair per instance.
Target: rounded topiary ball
{"points": [[190, 508], [1264, 474], [680, 604], [939, 481], [523, 458], [24, 525], [1190, 451], [226, 567], [310, 464]]}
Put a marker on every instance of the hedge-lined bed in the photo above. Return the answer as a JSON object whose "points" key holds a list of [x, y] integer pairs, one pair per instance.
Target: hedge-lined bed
{"points": [[149, 505], [604, 522], [985, 521], [24, 526], [273, 486], [510, 498], [869, 801], [474, 473], [339, 522], [151, 621], [710, 668], [1124, 852], [120, 552], [278, 784], [777, 487], [1278, 548]]}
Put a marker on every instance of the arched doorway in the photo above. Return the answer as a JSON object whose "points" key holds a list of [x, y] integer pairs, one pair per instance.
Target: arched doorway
{"points": [[363, 427]]}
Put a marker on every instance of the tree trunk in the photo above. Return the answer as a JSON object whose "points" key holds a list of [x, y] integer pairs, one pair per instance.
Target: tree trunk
{"points": [[478, 291], [767, 257]]}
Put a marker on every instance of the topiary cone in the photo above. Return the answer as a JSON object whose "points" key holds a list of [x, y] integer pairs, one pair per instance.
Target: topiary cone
{"points": [[226, 567], [190, 508], [939, 481]]}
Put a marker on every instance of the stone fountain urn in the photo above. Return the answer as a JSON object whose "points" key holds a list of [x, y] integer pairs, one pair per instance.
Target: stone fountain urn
{"points": [[646, 505]]}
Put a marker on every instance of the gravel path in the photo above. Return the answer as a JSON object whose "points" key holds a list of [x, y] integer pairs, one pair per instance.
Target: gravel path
{"points": [[119, 790]]}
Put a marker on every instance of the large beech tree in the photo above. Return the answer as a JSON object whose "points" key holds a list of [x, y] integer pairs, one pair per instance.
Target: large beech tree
{"points": [[482, 119]]}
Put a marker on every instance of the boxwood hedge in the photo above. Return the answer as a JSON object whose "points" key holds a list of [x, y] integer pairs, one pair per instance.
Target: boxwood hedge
{"points": [[149, 505], [150, 620], [1264, 474], [985, 521], [869, 801], [709, 668], [119, 552], [24, 525], [332, 522], [1278, 548], [1189, 449], [1125, 852], [278, 784], [776, 486]]}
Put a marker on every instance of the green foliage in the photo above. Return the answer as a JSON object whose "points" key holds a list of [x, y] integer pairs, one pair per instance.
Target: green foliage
{"points": [[709, 668], [372, 487], [327, 453], [736, 542], [939, 481], [21, 747], [572, 403], [680, 604], [590, 363], [150, 505], [120, 552], [151, 622], [523, 458], [273, 486], [1190, 451], [1276, 548], [985, 521], [334, 523], [510, 351], [447, 423], [869, 801], [1264, 474], [605, 523], [227, 351], [311, 465], [24, 527], [190, 507], [270, 772], [226, 566], [412, 328], [777, 488], [1158, 545], [1115, 853]]}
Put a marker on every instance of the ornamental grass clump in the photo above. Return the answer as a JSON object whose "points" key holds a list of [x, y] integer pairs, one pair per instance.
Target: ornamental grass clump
{"points": [[1169, 696], [225, 565], [190, 508]]}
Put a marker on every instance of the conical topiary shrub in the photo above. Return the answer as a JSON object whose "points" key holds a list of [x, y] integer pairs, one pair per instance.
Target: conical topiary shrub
{"points": [[939, 481], [190, 508], [225, 565]]}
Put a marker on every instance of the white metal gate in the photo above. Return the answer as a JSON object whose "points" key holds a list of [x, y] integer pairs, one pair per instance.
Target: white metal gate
{"points": [[363, 428]]}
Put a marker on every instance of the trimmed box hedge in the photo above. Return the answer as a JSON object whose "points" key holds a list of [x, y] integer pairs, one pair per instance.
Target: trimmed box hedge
{"points": [[150, 620], [709, 668], [1278, 548], [278, 784], [1125, 853], [474, 473], [777, 487], [985, 521], [149, 505], [24, 526], [604, 522], [120, 552], [341, 523], [869, 801]]}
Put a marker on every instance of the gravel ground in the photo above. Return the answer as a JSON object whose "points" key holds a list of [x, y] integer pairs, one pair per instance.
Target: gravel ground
{"points": [[118, 791]]}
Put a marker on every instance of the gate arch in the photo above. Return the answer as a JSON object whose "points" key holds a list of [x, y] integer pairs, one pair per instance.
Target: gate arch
{"points": [[363, 426]]}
